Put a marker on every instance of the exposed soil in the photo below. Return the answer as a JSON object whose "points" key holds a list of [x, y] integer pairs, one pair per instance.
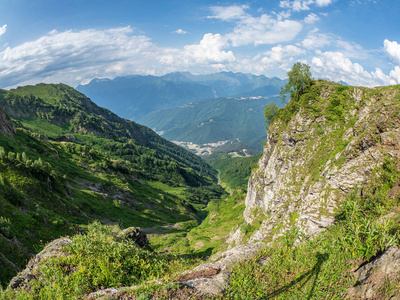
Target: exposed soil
{"points": [[197, 274]]}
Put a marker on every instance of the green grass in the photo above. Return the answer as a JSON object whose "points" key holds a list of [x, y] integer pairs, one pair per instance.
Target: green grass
{"points": [[211, 235], [99, 259]]}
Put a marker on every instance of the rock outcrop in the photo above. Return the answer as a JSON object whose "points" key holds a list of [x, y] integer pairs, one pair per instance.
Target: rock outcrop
{"points": [[55, 248], [136, 235], [6, 126], [317, 153], [373, 276], [212, 278]]}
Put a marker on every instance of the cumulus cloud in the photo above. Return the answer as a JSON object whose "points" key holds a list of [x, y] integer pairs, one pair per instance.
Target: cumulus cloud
{"points": [[336, 66], [393, 49], [282, 57], [3, 29], [209, 50], [395, 75], [180, 31], [265, 29]]}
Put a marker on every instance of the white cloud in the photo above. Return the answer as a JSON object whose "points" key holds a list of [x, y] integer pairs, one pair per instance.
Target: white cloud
{"points": [[209, 50], [395, 75], [324, 2], [282, 57], [264, 30], [311, 18], [75, 57], [296, 5], [336, 66], [3, 29], [300, 5], [180, 31], [316, 40], [393, 49], [68, 55], [226, 13]]}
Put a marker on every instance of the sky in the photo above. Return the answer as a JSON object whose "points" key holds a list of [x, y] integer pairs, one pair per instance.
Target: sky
{"points": [[74, 41]]}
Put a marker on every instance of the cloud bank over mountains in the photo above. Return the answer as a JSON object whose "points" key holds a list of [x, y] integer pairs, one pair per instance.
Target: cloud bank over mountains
{"points": [[254, 42]]}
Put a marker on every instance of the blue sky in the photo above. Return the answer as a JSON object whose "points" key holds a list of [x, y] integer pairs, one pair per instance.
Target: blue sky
{"points": [[74, 41]]}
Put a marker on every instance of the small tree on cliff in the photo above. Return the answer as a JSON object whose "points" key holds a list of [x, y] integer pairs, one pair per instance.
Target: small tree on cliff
{"points": [[299, 82], [270, 110]]}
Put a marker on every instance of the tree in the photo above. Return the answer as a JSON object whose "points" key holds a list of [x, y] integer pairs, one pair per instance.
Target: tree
{"points": [[270, 110], [299, 82]]}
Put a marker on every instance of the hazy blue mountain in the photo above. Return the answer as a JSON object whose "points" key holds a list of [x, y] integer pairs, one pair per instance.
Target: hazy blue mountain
{"points": [[213, 120], [132, 97], [229, 84]]}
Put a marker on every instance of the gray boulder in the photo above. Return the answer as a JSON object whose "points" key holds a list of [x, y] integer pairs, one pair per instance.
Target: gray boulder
{"points": [[55, 248]]}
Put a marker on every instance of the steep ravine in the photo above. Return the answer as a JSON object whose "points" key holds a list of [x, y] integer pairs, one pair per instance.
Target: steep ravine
{"points": [[317, 153]]}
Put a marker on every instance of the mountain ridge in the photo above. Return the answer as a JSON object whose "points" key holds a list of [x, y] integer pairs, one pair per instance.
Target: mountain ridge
{"points": [[134, 96]]}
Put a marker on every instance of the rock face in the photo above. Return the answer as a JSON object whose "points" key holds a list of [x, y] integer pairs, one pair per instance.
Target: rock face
{"points": [[6, 126], [372, 277], [317, 153], [212, 278], [51, 250]]}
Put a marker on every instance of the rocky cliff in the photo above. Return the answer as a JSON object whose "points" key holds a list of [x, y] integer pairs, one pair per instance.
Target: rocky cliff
{"points": [[318, 150], [6, 126]]}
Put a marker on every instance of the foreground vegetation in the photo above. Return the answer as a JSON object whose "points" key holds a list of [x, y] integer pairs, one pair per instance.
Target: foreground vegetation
{"points": [[98, 259]]}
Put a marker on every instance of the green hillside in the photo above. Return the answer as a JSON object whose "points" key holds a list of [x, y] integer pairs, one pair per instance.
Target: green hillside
{"points": [[72, 162], [213, 120], [234, 172]]}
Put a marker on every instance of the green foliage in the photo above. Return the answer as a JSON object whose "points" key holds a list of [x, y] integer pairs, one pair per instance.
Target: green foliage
{"points": [[99, 259], [235, 172], [270, 110], [299, 82]]}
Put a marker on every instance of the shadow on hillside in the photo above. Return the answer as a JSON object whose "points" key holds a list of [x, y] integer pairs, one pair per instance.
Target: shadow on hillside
{"points": [[321, 258]]}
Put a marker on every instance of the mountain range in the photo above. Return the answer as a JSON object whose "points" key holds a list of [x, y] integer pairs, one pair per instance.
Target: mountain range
{"points": [[133, 97]]}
